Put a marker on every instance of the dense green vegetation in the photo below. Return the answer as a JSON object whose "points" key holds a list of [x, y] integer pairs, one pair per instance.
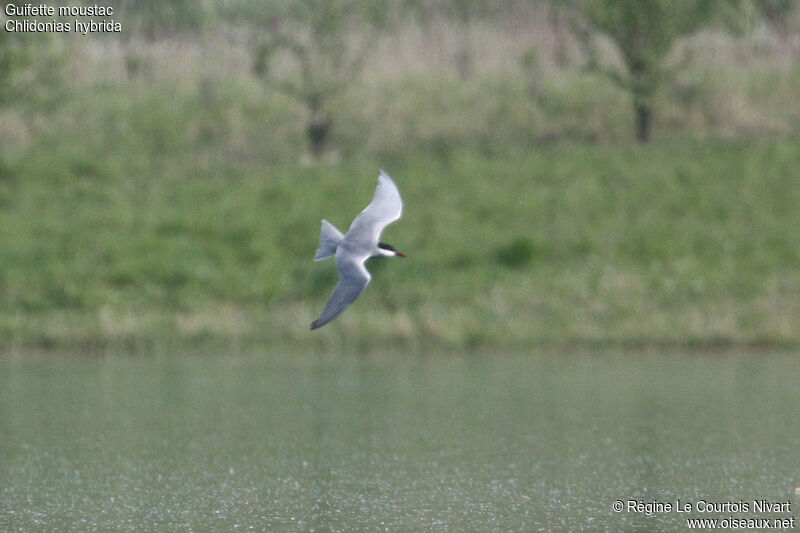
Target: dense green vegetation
{"points": [[677, 242], [163, 193]]}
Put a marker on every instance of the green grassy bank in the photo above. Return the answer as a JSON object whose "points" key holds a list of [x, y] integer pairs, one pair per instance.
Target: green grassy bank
{"points": [[106, 246]]}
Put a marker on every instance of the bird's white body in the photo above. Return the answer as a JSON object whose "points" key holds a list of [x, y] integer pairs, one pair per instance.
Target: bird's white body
{"points": [[361, 242]]}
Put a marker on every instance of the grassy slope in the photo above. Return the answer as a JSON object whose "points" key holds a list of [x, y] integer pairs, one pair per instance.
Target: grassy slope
{"points": [[168, 210], [146, 221]]}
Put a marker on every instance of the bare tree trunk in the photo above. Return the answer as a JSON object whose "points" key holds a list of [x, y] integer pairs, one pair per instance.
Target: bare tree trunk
{"points": [[464, 59], [317, 130], [642, 87], [644, 119]]}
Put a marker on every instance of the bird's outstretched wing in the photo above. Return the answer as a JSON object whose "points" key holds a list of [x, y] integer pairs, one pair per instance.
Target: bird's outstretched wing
{"points": [[386, 207], [353, 278]]}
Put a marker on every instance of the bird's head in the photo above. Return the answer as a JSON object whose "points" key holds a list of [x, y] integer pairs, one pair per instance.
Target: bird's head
{"points": [[387, 250]]}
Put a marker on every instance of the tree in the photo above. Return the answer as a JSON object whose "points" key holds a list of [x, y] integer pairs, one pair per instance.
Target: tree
{"points": [[461, 16], [30, 64], [644, 32], [780, 14], [150, 20], [13, 56], [464, 13], [312, 50], [153, 19]]}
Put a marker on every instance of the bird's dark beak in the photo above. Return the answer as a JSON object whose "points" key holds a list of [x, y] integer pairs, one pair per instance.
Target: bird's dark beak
{"points": [[399, 254]]}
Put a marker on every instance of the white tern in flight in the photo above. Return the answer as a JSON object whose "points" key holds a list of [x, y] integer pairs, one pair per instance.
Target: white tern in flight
{"points": [[361, 242]]}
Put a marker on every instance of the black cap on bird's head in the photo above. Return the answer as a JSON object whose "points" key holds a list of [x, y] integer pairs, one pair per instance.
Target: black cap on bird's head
{"points": [[388, 250]]}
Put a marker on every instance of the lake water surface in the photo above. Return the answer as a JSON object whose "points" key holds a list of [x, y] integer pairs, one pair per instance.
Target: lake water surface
{"points": [[400, 443]]}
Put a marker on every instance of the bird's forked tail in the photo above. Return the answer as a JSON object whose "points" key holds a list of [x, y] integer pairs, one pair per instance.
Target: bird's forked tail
{"points": [[329, 240]]}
